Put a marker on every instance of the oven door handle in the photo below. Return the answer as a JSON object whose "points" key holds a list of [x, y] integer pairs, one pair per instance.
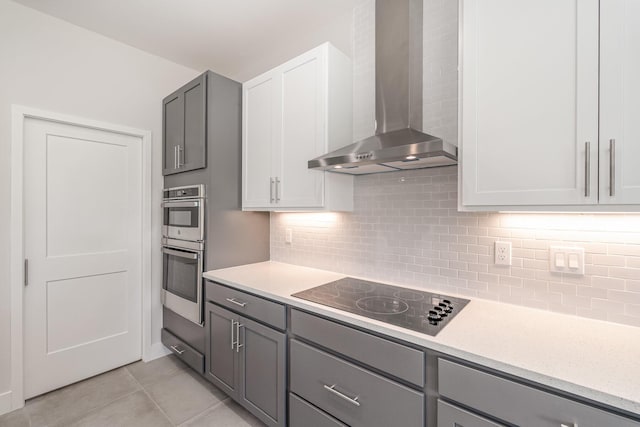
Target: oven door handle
{"points": [[181, 254], [194, 204]]}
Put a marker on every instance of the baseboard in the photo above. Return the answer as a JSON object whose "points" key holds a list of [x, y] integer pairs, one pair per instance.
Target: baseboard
{"points": [[5, 402], [156, 351]]}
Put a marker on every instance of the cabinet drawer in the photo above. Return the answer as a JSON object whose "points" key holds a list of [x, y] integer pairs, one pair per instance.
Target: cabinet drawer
{"points": [[302, 414], [516, 403], [183, 351], [450, 415], [352, 394], [246, 304], [398, 360]]}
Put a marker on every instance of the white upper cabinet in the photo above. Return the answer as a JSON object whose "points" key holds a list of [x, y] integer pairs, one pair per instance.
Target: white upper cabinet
{"points": [[620, 102], [292, 114], [529, 102]]}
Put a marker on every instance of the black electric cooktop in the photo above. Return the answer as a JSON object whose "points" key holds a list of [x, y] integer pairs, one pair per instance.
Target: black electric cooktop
{"points": [[420, 311]]}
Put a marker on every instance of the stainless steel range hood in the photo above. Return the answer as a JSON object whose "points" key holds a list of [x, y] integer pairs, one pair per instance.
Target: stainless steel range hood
{"points": [[398, 142]]}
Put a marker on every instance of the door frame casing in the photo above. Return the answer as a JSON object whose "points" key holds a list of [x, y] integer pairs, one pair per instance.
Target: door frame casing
{"points": [[16, 262]]}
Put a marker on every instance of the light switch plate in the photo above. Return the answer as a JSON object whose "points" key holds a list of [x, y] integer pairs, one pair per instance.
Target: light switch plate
{"points": [[563, 259]]}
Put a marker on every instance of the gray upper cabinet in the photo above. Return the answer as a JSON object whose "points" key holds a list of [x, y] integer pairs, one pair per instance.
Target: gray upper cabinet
{"points": [[184, 127], [248, 361]]}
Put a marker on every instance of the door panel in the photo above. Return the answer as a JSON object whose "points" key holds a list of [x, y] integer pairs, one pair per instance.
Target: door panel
{"points": [[193, 154], [303, 132], [258, 142], [83, 229], [221, 359], [262, 373], [172, 131], [529, 102], [619, 101]]}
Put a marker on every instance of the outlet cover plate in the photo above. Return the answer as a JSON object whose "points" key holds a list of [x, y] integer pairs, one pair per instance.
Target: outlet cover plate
{"points": [[502, 253], [565, 259]]}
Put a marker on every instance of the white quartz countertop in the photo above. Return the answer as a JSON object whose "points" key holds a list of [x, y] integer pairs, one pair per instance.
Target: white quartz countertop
{"points": [[590, 358]]}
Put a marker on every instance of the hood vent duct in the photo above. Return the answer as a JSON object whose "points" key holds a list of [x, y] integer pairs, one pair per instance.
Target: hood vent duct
{"points": [[398, 143]]}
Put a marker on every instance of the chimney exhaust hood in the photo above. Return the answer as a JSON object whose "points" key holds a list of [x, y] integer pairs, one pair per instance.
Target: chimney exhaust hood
{"points": [[398, 143]]}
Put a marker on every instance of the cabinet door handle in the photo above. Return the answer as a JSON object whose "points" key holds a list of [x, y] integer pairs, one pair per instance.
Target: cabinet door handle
{"points": [[569, 425], [180, 157], [238, 345], [612, 167], [233, 342], [175, 157], [177, 349], [587, 169], [271, 182], [236, 302], [277, 190], [332, 389]]}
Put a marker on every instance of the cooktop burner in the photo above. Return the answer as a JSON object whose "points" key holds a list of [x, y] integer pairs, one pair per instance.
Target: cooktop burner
{"points": [[420, 311]]}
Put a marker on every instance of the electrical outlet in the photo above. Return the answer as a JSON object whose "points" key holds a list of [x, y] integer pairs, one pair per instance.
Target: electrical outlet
{"points": [[288, 236], [503, 253]]}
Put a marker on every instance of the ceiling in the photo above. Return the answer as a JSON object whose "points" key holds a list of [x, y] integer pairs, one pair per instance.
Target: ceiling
{"points": [[236, 38]]}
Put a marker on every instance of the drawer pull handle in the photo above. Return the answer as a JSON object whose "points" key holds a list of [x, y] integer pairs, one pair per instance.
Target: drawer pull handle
{"points": [[332, 389], [569, 425], [233, 300], [177, 349]]}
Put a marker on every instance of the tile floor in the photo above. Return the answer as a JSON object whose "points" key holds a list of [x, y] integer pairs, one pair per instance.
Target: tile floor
{"points": [[160, 393]]}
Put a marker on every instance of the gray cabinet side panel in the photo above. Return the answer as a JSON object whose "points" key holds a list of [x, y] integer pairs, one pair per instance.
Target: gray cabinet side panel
{"points": [[263, 372], [243, 236]]}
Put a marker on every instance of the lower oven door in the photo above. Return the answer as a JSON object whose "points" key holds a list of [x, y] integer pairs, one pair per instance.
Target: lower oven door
{"points": [[182, 282]]}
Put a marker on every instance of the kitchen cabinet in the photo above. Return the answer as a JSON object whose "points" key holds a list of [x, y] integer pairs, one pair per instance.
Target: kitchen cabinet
{"points": [[292, 114], [184, 127], [340, 391], [247, 360], [619, 102], [537, 118], [512, 402]]}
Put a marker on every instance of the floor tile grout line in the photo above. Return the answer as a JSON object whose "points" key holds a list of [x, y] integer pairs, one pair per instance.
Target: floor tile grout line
{"points": [[210, 408], [146, 392], [74, 419], [81, 416]]}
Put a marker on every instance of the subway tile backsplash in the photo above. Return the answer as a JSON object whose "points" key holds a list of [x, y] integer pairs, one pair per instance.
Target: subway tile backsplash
{"points": [[406, 230]]}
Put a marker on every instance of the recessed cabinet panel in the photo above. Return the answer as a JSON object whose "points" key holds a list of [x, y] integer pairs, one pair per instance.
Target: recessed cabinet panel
{"points": [[303, 135], [258, 137], [221, 359], [172, 131], [529, 75], [195, 128], [619, 102]]}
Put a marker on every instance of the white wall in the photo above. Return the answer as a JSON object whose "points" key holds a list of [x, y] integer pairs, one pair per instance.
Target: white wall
{"points": [[52, 65]]}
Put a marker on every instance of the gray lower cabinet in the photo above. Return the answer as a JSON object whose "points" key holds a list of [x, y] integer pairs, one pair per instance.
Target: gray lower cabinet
{"points": [[184, 127], [349, 393], [248, 361], [304, 414], [515, 403]]}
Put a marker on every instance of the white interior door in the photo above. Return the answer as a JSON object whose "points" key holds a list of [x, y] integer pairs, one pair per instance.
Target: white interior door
{"points": [[83, 227]]}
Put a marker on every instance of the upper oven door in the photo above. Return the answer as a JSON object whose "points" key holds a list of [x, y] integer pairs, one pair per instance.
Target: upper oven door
{"points": [[183, 219]]}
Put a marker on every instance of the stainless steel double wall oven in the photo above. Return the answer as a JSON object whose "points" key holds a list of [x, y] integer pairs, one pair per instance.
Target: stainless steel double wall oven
{"points": [[183, 246]]}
